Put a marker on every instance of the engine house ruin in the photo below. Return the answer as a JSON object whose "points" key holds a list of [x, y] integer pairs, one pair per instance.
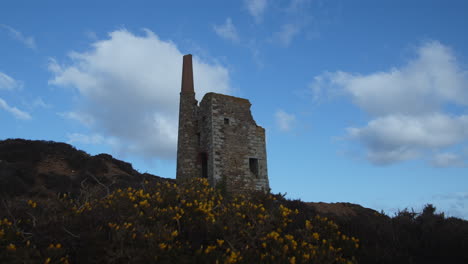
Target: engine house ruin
{"points": [[219, 139]]}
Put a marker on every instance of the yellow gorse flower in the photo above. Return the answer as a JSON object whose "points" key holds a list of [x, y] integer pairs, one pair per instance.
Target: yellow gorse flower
{"points": [[316, 236], [162, 246], [173, 208], [11, 247], [209, 249], [292, 260], [32, 204]]}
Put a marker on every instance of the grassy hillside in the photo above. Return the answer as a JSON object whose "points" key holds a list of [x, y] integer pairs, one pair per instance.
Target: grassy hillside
{"points": [[169, 223], [61, 205]]}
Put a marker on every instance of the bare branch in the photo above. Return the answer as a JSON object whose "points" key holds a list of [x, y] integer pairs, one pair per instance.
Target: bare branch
{"points": [[70, 233], [100, 183]]}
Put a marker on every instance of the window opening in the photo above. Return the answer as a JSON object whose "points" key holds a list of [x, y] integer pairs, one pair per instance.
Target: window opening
{"points": [[253, 164], [204, 163], [226, 121]]}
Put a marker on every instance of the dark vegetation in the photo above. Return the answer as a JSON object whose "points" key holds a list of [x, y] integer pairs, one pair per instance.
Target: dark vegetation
{"points": [[61, 205], [44, 168], [407, 237]]}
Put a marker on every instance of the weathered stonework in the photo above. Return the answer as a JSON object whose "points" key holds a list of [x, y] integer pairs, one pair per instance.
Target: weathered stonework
{"points": [[219, 139]]}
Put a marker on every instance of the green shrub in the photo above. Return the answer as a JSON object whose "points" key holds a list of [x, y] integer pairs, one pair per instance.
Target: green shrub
{"points": [[167, 223]]}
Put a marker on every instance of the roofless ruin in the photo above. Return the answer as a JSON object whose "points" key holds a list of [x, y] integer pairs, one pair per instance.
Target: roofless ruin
{"points": [[219, 139]]}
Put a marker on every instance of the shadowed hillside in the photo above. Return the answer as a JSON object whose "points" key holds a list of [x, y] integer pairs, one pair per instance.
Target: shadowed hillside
{"points": [[61, 205], [44, 168]]}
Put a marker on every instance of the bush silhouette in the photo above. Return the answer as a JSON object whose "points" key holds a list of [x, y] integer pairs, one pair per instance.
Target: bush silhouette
{"points": [[96, 209], [169, 223]]}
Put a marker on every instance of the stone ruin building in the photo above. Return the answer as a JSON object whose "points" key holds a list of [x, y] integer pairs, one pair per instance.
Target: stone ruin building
{"points": [[219, 140]]}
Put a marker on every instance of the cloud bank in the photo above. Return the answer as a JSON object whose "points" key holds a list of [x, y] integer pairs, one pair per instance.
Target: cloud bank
{"points": [[129, 86], [407, 105]]}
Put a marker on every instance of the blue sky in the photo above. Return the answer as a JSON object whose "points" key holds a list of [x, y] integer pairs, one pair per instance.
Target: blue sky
{"points": [[362, 101]]}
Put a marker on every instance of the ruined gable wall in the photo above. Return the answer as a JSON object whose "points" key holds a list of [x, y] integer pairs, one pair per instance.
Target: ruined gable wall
{"points": [[206, 136], [234, 143]]}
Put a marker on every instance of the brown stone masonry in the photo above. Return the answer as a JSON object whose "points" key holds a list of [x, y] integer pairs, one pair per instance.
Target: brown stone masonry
{"points": [[219, 139], [187, 147]]}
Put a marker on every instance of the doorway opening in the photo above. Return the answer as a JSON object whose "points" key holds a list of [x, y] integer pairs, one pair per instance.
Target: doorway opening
{"points": [[204, 164]]}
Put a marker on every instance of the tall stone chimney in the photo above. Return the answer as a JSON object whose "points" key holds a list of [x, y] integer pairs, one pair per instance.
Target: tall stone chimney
{"points": [[187, 75], [219, 140], [187, 144]]}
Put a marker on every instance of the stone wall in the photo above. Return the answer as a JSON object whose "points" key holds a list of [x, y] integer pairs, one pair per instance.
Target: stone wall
{"points": [[187, 145], [236, 139], [206, 137], [219, 139]]}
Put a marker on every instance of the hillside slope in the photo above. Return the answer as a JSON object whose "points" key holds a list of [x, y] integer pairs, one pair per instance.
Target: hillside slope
{"points": [[44, 168], [33, 168], [39, 173]]}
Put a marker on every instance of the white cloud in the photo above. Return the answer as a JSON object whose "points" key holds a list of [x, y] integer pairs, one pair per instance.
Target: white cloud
{"points": [[14, 111], [83, 118], [129, 87], [401, 137], [298, 16], [286, 34], [444, 160], [256, 8], [8, 83], [406, 104], [227, 31], [284, 120], [85, 139], [421, 86], [15, 34], [38, 102]]}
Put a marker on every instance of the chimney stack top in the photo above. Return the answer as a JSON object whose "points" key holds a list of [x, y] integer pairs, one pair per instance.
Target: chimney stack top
{"points": [[187, 75]]}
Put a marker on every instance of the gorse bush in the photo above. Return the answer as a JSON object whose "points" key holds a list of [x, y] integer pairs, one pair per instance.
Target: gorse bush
{"points": [[409, 237], [159, 222], [169, 223]]}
